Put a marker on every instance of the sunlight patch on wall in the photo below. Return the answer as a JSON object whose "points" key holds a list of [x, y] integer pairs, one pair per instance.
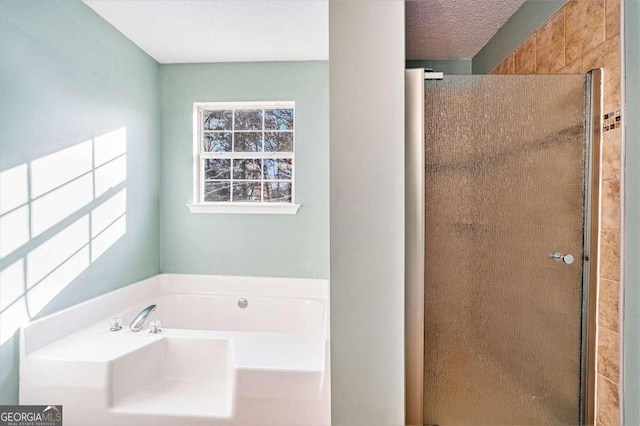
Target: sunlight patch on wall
{"points": [[108, 224], [59, 168], [53, 207], [14, 219], [12, 318], [14, 190], [14, 230], [12, 279], [49, 287], [110, 146], [55, 251], [110, 175], [83, 183]]}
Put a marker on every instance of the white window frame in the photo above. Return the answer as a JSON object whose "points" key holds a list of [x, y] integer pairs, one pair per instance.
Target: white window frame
{"points": [[257, 207]]}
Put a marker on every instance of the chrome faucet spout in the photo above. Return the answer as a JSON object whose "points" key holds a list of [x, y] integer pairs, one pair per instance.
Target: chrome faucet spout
{"points": [[138, 321]]}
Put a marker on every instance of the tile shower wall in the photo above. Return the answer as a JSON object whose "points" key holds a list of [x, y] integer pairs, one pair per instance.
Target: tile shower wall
{"points": [[582, 35]]}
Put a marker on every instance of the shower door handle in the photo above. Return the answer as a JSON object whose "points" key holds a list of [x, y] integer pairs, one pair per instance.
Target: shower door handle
{"points": [[566, 258]]}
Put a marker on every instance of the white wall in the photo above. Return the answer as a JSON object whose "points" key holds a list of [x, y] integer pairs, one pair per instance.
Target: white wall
{"points": [[366, 60]]}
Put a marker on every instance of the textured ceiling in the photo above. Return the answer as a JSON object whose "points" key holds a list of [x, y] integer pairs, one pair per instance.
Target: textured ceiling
{"points": [[454, 29], [177, 31]]}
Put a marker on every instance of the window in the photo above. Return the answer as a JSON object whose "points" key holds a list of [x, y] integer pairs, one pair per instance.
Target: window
{"points": [[244, 157]]}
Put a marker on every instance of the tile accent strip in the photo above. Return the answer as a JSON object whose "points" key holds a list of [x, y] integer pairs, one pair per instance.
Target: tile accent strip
{"points": [[612, 121]]}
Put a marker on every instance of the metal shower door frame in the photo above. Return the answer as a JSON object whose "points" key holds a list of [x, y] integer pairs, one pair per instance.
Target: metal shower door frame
{"points": [[591, 260], [414, 245]]}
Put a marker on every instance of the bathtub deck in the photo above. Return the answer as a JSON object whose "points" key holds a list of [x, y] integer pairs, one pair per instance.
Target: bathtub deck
{"points": [[179, 397]]}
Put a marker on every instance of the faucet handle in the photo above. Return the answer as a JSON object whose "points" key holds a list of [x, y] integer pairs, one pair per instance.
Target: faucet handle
{"points": [[154, 327], [115, 324]]}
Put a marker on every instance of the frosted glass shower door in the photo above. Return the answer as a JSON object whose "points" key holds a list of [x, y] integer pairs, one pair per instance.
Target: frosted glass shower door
{"points": [[504, 181]]}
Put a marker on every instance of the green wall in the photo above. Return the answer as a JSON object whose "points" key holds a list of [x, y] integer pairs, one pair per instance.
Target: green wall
{"points": [[236, 244], [517, 29], [631, 237], [67, 76], [447, 66]]}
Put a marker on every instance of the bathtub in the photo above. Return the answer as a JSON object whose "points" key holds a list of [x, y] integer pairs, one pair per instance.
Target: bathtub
{"points": [[216, 361]]}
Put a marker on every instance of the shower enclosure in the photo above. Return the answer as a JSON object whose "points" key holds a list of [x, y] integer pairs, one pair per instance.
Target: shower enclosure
{"points": [[504, 228]]}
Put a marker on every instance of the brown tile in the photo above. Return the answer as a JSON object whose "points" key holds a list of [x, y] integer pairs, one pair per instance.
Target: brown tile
{"points": [[608, 354], [504, 67], [550, 45], [608, 406], [524, 57], [607, 56], [584, 27], [609, 298], [610, 254], [574, 67], [595, 58], [611, 154], [611, 204], [612, 19]]}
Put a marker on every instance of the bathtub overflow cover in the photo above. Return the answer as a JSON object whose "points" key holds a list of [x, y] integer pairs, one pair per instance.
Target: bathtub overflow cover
{"points": [[243, 303]]}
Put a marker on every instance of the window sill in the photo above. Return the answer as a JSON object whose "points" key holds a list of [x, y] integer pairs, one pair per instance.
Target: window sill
{"points": [[244, 208]]}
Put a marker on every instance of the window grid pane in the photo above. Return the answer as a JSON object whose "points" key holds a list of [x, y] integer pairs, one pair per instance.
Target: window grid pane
{"points": [[217, 191], [277, 191], [217, 120], [217, 169]]}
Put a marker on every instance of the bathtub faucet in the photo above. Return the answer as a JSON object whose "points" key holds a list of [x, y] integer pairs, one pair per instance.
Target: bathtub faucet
{"points": [[138, 321]]}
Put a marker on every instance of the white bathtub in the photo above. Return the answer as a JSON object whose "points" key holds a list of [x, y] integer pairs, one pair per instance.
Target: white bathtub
{"points": [[214, 363], [265, 314]]}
